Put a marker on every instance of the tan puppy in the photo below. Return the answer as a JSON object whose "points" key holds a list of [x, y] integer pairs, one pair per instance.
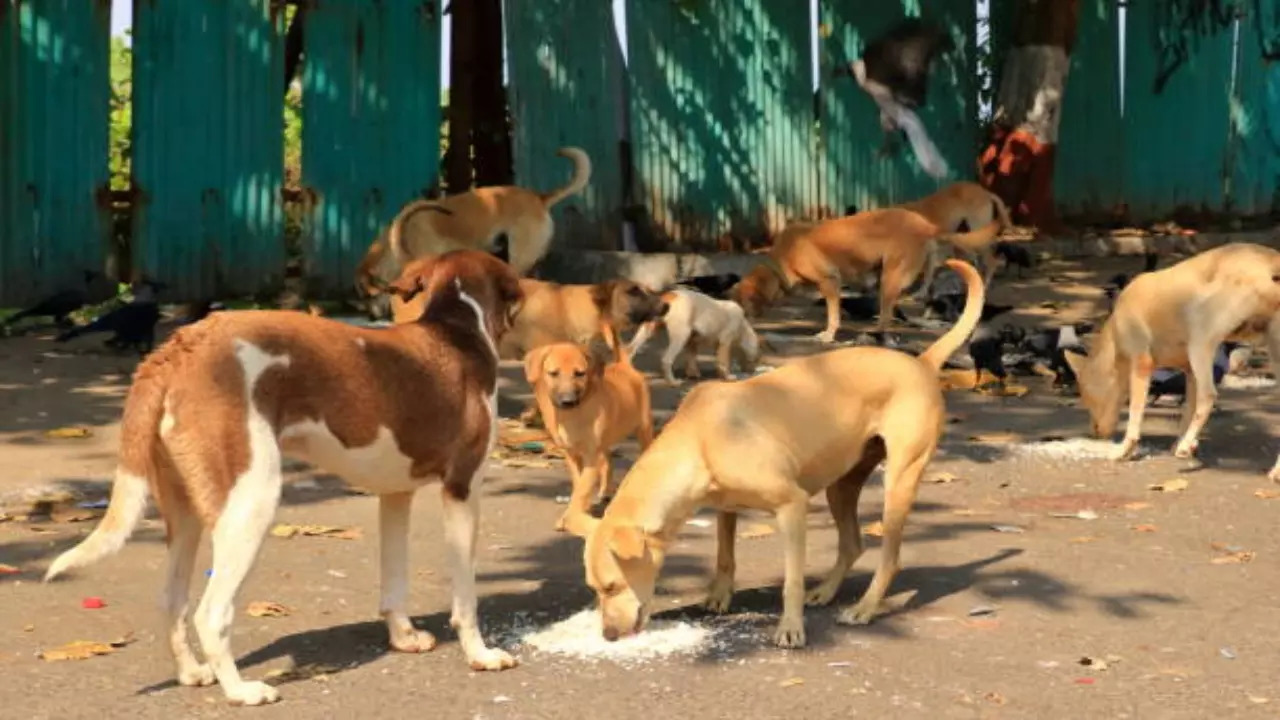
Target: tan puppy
{"points": [[770, 443], [845, 248], [588, 405], [1177, 317], [691, 318], [212, 412], [963, 203], [554, 313], [472, 220]]}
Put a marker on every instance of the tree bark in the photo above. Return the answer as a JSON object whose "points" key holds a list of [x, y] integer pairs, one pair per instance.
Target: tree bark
{"points": [[1018, 161], [458, 171], [490, 134], [294, 45]]}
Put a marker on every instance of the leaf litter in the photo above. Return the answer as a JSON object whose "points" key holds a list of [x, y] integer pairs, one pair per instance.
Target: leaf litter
{"points": [[85, 649], [331, 531]]}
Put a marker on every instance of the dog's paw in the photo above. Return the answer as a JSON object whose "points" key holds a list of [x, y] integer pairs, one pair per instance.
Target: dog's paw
{"points": [[790, 633], [1185, 450], [860, 614], [826, 336], [196, 675], [719, 597], [672, 381], [492, 659], [822, 595], [1126, 450], [414, 641], [252, 693]]}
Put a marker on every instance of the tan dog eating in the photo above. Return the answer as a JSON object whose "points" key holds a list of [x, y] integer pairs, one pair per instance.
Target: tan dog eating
{"points": [[588, 405], [845, 248], [212, 412], [770, 443], [963, 204], [1176, 318]]}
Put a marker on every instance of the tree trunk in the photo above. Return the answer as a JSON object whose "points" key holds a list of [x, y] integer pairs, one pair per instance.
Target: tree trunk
{"points": [[294, 44], [1018, 162], [458, 173], [490, 134]]}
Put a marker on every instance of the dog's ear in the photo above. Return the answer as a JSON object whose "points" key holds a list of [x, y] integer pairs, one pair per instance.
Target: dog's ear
{"points": [[627, 542], [602, 294], [405, 287], [1075, 361], [533, 364]]}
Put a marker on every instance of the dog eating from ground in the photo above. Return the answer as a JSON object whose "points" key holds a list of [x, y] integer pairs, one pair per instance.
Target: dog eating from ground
{"points": [[693, 318], [473, 220], [212, 412], [842, 249], [1177, 318], [754, 444], [591, 399]]}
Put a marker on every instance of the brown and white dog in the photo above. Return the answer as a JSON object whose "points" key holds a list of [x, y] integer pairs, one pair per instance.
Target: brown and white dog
{"points": [[692, 318], [1176, 318], [770, 443], [962, 204], [843, 249], [212, 412], [473, 220], [589, 402]]}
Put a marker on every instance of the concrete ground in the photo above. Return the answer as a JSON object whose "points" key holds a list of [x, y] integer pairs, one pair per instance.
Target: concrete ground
{"points": [[1175, 593]]}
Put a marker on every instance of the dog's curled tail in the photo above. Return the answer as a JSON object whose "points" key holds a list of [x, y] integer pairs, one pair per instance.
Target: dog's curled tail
{"points": [[974, 239], [140, 441], [1002, 211], [581, 176], [395, 241], [945, 346]]}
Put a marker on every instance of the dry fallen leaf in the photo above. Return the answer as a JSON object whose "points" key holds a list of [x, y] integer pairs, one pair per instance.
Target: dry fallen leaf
{"points": [[1099, 664], [942, 478], [72, 516], [1083, 539], [1144, 527], [1170, 486], [875, 529], [994, 698], [69, 433], [341, 533], [756, 531], [1266, 494], [1258, 699], [84, 649], [969, 512], [1137, 505], [791, 682], [266, 608], [1238, 557]]}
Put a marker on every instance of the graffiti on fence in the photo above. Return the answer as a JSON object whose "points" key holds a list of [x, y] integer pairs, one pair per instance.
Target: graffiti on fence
{"points": [[1183, 25]]}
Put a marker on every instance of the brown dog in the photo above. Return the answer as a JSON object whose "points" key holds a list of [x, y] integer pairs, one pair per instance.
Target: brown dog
{"points": [[963, 204], [473, 220], [213, 410], [843, 249], [1177, 317], [588, 405], [554, 313], [769, 443]]}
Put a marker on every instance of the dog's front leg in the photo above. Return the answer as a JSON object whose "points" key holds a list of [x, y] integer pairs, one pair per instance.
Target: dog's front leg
{"points": [[584, 472], [1188, 405], [393, 537], [1200, 357], [461, 521], [1140, 369], [720, 592], [791, 522], [724, 358], [830, 288]]}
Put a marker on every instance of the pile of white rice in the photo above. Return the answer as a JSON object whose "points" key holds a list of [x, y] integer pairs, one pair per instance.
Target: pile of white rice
{"points": [[1247, 382], [579, 637], [1072, 449]]}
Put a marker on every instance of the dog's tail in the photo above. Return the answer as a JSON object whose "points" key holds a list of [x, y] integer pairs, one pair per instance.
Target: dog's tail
{"points": [[1002, 211], [140, 435], [974, 239], [581, 175], [395, 240], [945, 346]]}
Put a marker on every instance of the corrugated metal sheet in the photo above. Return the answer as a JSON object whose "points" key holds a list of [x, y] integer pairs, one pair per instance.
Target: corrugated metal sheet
{"points": [[371, 123], [208, 144], [1255, 179], [856, 169], [1086, 180], [54, 93], [1177, 86], [565, 88], [720, 108]]}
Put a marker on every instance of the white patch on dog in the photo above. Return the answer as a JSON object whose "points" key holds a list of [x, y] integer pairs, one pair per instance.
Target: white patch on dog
{"points": [[491, 402], [475, 305], [167, 422], [360, 343], [379, 467], [580, 637]]}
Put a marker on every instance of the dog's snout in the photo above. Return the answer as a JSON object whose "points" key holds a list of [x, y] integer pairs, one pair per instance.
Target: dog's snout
{"points": [[566, 400], [611, 634]]}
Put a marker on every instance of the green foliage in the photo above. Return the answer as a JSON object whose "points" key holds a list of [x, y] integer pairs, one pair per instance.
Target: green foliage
{"points": [[293, 136], [121, 142]]}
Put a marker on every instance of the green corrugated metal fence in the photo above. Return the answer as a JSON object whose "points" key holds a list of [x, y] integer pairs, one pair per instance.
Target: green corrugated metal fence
{"points": [[1255, 113], [54, 92], [721, 118], [1086, 180], [371, 123], [207, 143], [565, 88], [856, 170]]}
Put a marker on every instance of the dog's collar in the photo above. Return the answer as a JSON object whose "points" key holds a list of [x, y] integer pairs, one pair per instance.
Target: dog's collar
{"points": [[769, 262]]}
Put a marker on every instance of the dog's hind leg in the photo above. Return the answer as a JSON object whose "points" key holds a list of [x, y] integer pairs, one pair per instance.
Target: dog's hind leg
{"points": [[1200, 357], [677, 339], [829, 286], [184, 542], [892, 279], [461, 525], [906, 463], [1140, 369], [393, 538], [1188, 404], [842, 497], [792, 519], [720, 592], [724, 357]]}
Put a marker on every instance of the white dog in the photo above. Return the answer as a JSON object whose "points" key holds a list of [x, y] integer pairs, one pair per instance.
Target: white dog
{"points": [[693, 318]]}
